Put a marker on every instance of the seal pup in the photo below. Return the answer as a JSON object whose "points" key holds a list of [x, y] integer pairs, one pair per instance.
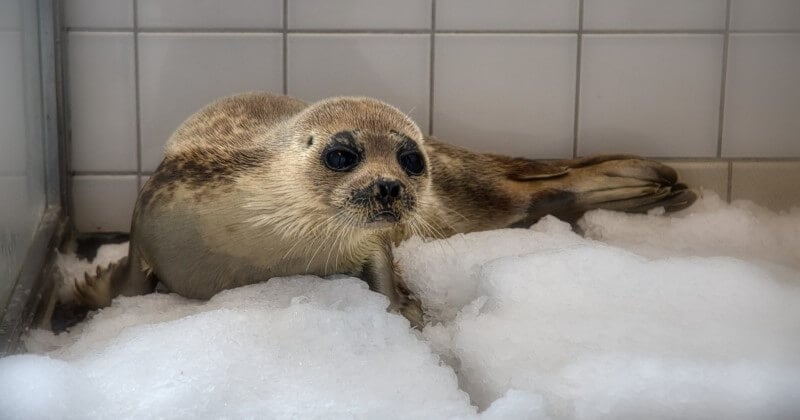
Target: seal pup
{"points": [[256, 186]]}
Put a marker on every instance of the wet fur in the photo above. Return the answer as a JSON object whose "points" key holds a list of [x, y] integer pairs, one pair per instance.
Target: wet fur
{"points": [[242, 196]]}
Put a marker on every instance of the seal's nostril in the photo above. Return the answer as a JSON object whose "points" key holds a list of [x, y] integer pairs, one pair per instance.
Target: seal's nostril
{"points": [[388, 190], [394, 190]]}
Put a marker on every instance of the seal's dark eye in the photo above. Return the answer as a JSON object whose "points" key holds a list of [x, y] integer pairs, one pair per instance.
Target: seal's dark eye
{"points": [[341, 159], [412, 162]]}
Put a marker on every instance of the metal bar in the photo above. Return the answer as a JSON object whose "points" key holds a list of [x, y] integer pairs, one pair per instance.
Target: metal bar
{"points": [[50, 118], [34, 276]]}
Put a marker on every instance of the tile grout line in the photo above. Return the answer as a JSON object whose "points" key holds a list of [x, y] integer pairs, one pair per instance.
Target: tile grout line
{"points": [[724, 77], [722, 89], [726, 159], [576, 108], [136, 95], [729, 193], [105, 173], [279, 31], [431, 67], [285, 47], [671, 159]]}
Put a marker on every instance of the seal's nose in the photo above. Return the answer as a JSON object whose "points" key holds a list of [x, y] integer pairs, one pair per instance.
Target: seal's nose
{"points": [[387, 190]]}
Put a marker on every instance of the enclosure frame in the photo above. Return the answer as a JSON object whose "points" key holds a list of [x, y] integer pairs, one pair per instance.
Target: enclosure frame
{"points": [[33, 292]]}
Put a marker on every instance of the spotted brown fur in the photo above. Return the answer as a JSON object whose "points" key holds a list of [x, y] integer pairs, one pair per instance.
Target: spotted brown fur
{"points": [[201, 170]]}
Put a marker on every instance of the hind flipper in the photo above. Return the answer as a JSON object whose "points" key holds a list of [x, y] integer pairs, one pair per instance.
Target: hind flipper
{"points": [[478, 191], [623, 183]]}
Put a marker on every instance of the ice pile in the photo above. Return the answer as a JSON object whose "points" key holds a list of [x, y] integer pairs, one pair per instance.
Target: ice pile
{"points": [[292, 347], [602, 333], [710, 228], [695, 315]]}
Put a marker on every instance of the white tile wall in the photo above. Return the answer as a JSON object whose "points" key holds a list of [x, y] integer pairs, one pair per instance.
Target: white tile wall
{"points": [[103, 203], [393, 68], [771, 184], [762, 103], [653, 14], [107, 14], [180, 73], [102, 101], [506, 14], [509, 94], [500, 76], [210, 14], [772, 15], [708, 176], [655, 95], [359, 14]]}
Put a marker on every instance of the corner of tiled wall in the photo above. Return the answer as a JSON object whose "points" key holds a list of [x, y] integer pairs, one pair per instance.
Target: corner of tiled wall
{"points": [[710, 86]]}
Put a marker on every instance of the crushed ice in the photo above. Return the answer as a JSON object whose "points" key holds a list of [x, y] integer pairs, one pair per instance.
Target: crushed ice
{"points": [[693, 315]]}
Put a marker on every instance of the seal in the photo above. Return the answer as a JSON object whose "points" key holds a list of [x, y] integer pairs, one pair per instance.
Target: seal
{"points": [[256, 186]]}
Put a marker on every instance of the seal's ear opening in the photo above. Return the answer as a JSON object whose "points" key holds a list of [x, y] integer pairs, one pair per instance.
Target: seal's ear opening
{"points": [[310, 141]]}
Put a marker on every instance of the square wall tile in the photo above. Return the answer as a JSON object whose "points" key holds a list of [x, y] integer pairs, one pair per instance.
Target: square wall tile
{"points": [[103, 203], [392, 68], [770, 184], [653, 14], [13, 144], [774, 15], [511, 94], [706, 176], [181, 73], [506, 15], [102, 14], [653, 95], [102, 101], [10, 15], [207, 14], [762, 99], [359, 14]]}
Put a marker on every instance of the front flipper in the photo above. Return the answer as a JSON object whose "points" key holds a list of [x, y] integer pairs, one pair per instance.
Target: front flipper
{"points": [[124, 277], [383, 276]]}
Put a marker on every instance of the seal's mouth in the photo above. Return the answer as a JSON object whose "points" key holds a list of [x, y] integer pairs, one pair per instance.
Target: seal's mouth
{"points": [[384, 216]]}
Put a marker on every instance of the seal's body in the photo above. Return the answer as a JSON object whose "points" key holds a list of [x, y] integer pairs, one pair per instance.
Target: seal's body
{"points": [[257, 186]]}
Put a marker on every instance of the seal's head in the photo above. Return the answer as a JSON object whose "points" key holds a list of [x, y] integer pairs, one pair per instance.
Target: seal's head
{"points": [[371, 169]]}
